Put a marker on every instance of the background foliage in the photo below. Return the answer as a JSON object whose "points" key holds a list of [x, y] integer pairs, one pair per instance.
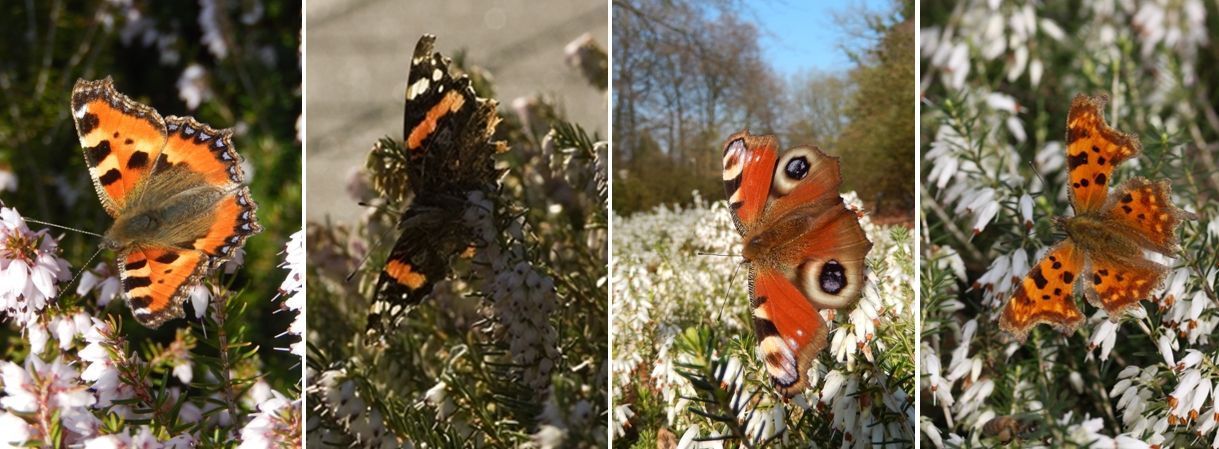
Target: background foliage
{"points": [[997, 83], [230, 65], [688, 74]]}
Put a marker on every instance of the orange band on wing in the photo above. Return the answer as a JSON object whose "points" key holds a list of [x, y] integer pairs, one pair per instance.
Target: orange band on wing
{"points": [[233, 222], [452, 101], [405, 274]]}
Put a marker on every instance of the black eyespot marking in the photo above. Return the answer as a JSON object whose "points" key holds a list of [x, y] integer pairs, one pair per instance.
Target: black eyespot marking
{"points": [[1101, 179], [1127, 198], [1095, 149], [1096, 279], [88, 123], [1077, 160], [110, 177], [1067, 277], [797, 168], [136, 265], [128, 141], [167, 258], [1100, 160], [1057, 265], [1083, 182], [116, 134], [139, 159], [1127, 209], [833, 277], [1058, 292]]}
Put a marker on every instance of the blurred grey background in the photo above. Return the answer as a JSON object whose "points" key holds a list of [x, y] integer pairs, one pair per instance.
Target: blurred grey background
{"points": [[358, 53]]}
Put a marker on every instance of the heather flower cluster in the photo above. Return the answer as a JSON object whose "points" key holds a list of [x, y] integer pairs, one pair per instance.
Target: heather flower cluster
{"points": [[672, 285], [998, 78], [80, 369]]}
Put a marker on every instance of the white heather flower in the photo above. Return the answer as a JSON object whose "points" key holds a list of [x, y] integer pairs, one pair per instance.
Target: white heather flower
{"points": [[292, 288], [101, 279], [14, 431], [193, 86], [29, 268], [276, 421], [1103, 337], [209, 20]]}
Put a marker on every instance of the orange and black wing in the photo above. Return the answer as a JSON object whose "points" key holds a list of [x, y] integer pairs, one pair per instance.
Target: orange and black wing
{"points": [[1046, 294], [1093, 151], [121, 138]]}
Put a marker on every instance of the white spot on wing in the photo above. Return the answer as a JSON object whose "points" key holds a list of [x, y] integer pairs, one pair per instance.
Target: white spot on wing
{"points": [[80, 113], [417, 88], [436, 74]]}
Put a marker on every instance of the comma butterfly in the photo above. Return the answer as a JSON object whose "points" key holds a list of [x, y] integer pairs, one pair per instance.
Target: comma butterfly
{"points": [[174, 188], [1106, 239], [446, 151], [804, 247]]}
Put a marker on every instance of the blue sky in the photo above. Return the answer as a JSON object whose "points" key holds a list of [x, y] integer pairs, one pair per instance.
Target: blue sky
{"points": [[798, 35]]}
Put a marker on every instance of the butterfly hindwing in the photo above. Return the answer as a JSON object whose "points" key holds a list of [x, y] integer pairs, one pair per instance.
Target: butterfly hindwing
{"points": [[1144, 211], [1046, 294], [1119, 285], [156, 280], [789, 329]]}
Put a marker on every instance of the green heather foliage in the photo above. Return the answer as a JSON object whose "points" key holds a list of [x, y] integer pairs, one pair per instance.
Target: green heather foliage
{"points": [[228, 64], [998, 81]]}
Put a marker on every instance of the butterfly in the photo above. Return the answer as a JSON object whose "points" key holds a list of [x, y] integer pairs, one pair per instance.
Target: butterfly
{"points": [[446, 152], [174, 187], [1104, 251], [805, 249]]}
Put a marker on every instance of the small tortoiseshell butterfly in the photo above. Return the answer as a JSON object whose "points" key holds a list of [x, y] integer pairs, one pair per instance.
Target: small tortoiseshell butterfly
{"points": [[804, 247], [1107, 237], [447, 151], [175, 189]]}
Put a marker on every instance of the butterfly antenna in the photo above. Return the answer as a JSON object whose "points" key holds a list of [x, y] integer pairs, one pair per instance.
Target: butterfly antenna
{"points": [[82, 269], [727, 291], [381, 207], [1038, 173], [716, 254], [53, 225]]}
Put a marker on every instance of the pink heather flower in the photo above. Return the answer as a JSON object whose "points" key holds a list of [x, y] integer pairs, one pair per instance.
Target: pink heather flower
{"points": [[29, 268]]}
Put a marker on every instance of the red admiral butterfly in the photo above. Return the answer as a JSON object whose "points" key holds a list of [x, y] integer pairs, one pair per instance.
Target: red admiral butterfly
{"points": [[446, 152]]}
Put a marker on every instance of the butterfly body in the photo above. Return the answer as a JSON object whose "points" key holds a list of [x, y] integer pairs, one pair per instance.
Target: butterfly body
{"points": [[175, 189], [1104, 253], [805, 249], [445, 154]]}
